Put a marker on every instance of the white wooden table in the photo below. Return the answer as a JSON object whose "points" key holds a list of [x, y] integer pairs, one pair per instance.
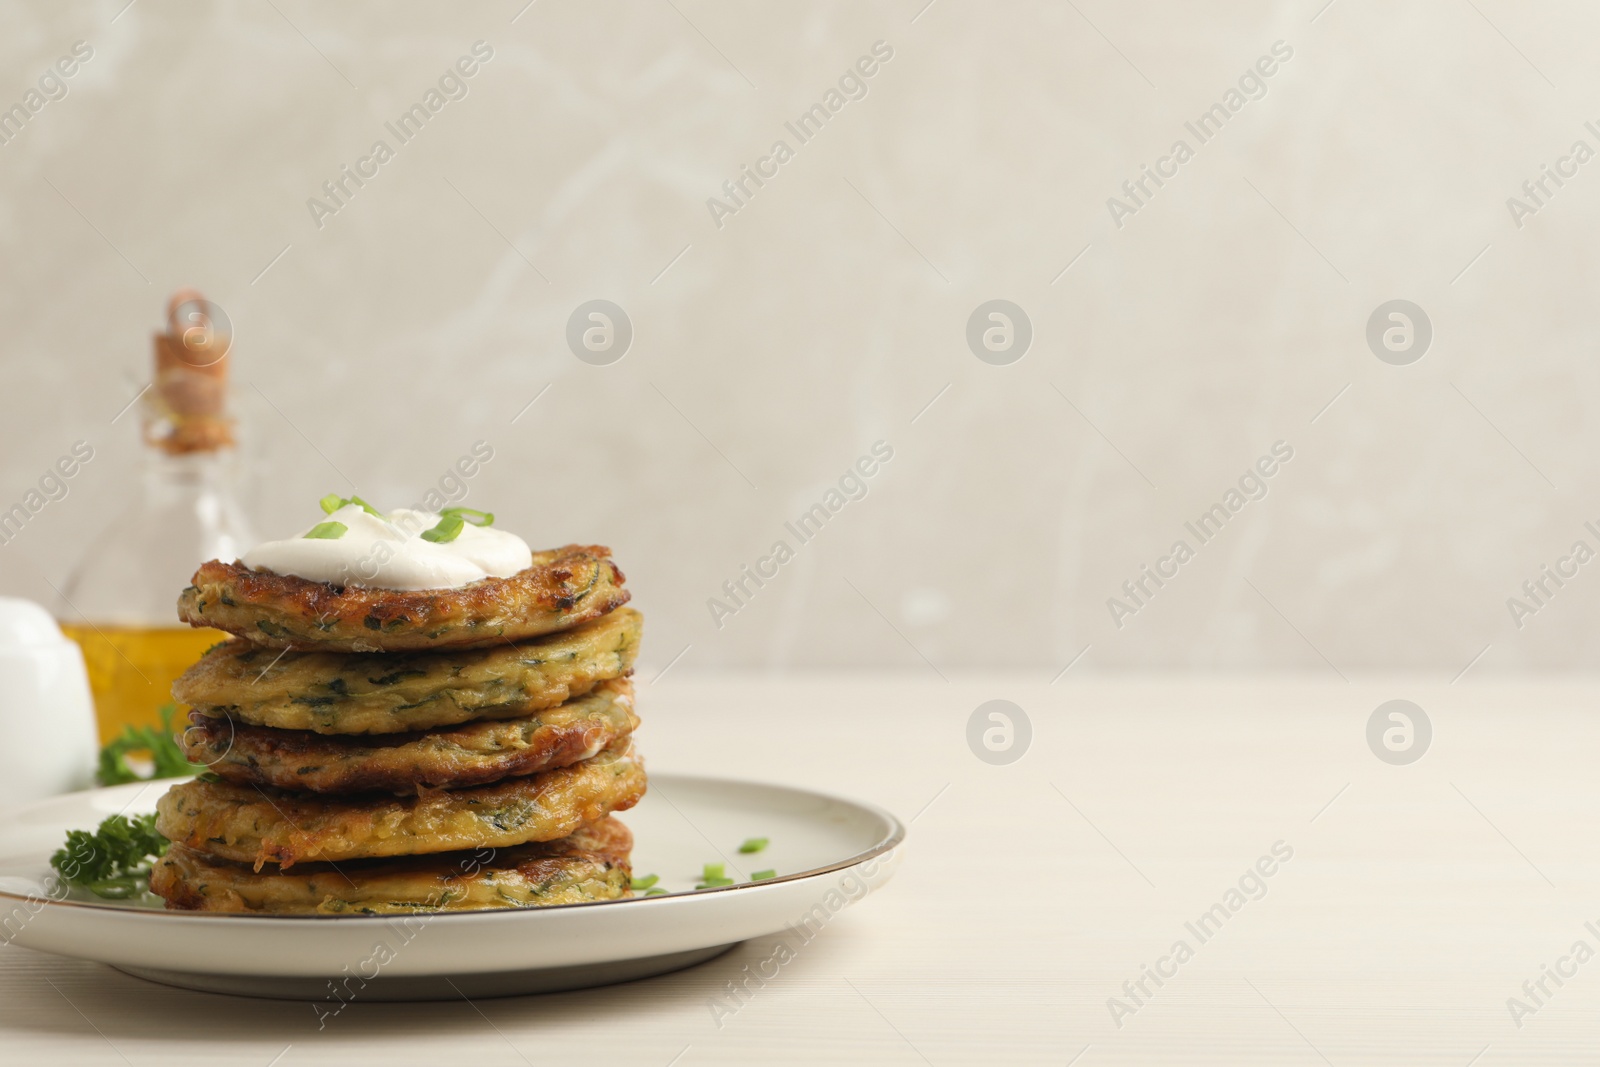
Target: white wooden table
{"points": [[1417, 900]]}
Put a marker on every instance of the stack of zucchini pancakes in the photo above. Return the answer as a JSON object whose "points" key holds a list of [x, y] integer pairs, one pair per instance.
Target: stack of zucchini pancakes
{"points": [[376, 751]]}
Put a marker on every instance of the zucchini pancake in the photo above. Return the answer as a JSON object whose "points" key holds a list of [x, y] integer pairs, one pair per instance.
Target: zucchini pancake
{"points": [[416, 713], [590, 864], [563, 587], [248, 824], [476, 753], [379, 693]]}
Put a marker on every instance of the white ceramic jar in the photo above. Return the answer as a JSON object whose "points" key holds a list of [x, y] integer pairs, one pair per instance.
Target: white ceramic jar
{"points": [[48, 743]]}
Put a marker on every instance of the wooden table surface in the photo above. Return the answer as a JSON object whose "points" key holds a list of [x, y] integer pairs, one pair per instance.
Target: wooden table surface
{"points": [[1405, 906]]}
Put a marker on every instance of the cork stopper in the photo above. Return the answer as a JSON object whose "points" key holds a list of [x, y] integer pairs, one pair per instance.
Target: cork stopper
{"points": [[186, 409]]}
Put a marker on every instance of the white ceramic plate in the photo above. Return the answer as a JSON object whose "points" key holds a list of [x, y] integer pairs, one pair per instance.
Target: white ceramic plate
{"points": [[828, 853]]}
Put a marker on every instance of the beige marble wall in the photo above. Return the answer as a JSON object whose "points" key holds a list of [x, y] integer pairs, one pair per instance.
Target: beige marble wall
{"points": [[1175, 340]]}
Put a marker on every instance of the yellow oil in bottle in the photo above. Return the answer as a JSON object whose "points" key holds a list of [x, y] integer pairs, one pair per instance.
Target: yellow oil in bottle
{"points": [[185, 511], [132, 668]]}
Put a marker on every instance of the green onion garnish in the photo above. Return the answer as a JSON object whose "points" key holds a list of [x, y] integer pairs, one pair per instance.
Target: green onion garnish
{"points": [[655, 892], [762, 876], [327, 531], [713, 870], [453, 520], [333, 502], [646, 881], [712, 883], [753, 844], [477, 518], [448, 529]]}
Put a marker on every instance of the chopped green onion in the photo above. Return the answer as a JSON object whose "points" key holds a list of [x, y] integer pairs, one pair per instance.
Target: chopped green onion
{"points": [[713, 870], [448, 529], [477, 518], [333, 502], [762, 876], [712, 883], [753, 844], [646, 881], [655, 892], [327, 531], [453, 520]]}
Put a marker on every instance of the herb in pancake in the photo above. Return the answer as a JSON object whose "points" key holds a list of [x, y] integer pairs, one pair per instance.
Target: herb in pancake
{"points": [[390, 679]]}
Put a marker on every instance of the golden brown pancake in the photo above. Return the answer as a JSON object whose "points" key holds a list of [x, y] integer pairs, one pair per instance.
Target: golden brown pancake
{"points": [[377, 693], [253, 824], [563, 587], [457, 757], [591, 864]]}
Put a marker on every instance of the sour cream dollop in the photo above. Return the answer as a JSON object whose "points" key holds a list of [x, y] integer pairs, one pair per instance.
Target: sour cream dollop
{"points": [[389, 553]]}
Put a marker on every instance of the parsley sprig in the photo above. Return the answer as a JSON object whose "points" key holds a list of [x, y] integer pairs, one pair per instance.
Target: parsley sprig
{"points": [[114, 861], [167, 757]]}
